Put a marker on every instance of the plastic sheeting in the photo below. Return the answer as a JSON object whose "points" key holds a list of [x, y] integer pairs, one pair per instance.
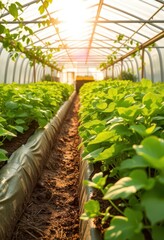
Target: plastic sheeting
{"points": [[19, 177], [88, 230]]}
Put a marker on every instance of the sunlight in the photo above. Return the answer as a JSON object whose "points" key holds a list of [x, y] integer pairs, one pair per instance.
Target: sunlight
{"points": [[73, 16]]}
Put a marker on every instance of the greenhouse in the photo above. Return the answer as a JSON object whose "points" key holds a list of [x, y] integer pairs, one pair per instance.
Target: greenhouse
{"points": [[82, 120]]}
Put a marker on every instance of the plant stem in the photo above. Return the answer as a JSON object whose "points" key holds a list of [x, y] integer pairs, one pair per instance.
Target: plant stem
{"points": [[113, 204]]}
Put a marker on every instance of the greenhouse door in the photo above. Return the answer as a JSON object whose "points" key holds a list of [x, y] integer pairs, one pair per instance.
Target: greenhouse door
{"points": [[70, 77]]}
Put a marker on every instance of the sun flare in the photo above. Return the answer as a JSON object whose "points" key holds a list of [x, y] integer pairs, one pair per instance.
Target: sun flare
{"points": [[73, 16]]}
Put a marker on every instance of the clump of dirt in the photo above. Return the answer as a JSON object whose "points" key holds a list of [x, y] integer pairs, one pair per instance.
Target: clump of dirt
{"points": [[53, 210]]}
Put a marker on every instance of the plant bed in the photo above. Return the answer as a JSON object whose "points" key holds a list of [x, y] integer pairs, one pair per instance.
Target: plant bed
{"points": [[53, 209], [121, 127], [24, 104], [19, 176]]}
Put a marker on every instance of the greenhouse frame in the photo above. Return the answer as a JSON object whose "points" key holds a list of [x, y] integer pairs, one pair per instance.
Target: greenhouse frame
{"points": [[117, 29], [82, 120]]}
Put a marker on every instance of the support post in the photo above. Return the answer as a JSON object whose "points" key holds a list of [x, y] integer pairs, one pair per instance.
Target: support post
{"points": [[34, 71], [143, 63], [51, 74], [112, 71], [121, 69]]}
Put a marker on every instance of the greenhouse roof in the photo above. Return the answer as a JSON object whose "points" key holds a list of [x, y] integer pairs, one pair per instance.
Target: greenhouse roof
{"points": [[85, 32]]}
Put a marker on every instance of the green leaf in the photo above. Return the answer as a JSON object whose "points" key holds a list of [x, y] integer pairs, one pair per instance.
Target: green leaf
{"points": [[143, 131], [19, 129], [112, 151], [128, 112], [90, 124], [102, 137], [127, 186], [19, 121], [4, 132], [42, 122], [22, 114], [152, 100], [3, 120], [92, 210], [152, 150], [125, 228], [146, 83], [153, 202], [99, 180], [3, 156], [11, 105], [110, 108], [13, 10], [115, 120], [112, 93], [93, 154], [2, 29], [134, 162], [101, 106], [121, 129], [157, 232], [41, 9]]}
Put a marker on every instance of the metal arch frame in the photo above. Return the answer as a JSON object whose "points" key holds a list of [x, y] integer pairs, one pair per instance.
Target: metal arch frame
{"points": [[40, 69], [132, 15], [117, 70], [137, 67], [141, 34], [26, 67], [125, 63], [6, 67], [93, 30], [144, 45], [20, 72], [124, 34], [37, 67], [151, 66], [160, 1], [130, 61], [15, 66], [136, 17], [49, 15], [161, 65], [96, 23], [1, 49], [30, 74], [116, 32]]}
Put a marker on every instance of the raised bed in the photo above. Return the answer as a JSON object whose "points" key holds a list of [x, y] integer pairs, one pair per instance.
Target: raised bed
{"points": [[20, 175], [121, 131]]}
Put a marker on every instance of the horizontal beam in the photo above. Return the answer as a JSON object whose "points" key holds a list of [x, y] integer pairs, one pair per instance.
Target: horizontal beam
{"points": [[142, 46], [98, 21], [93, 47]]}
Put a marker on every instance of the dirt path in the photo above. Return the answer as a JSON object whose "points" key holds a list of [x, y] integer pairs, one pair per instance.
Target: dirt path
{"points": [[53, 210]]}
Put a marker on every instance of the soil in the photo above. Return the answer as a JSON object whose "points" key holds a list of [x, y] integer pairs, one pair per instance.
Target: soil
{"points": [[53, 210]]}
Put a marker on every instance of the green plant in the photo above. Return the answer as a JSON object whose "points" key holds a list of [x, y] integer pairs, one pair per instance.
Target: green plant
{"points": [[121, 128], [47, 77], [22, 104], [16, 42], [127, 75]]}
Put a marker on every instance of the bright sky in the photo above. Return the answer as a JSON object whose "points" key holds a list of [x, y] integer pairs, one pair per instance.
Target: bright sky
{"points": [[73, 15]]}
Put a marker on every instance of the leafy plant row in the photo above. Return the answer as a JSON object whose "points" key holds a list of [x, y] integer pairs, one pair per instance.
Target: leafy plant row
{"points": [[122, 131], [21, 104]]}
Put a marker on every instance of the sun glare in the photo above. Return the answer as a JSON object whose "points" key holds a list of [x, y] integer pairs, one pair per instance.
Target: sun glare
{"points": [[73, 15]]}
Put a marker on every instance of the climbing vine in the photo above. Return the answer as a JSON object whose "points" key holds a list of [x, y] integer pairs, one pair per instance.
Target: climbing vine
{"points": [[19, 40], [111, 58]]}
